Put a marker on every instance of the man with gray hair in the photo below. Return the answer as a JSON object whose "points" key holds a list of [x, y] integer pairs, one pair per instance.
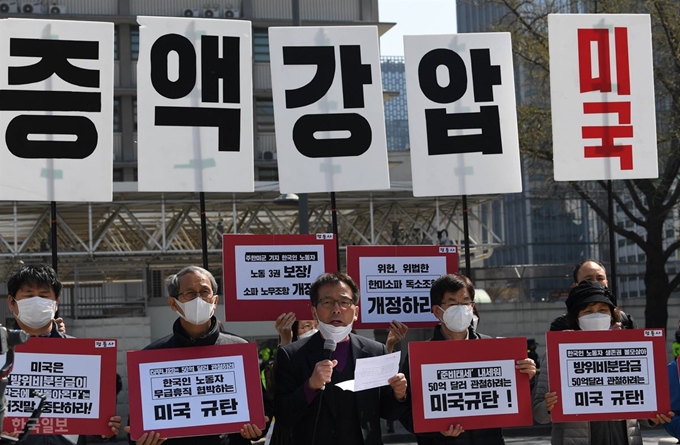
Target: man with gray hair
{"points": [[193, 295]]}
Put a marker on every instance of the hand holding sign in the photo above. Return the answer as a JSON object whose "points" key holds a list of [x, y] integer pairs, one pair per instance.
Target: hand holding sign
{"points": [[114, 423], [526, 366], [152, 438], [453, 431]]}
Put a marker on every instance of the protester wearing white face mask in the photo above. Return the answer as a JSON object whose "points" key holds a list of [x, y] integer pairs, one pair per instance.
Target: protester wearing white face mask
{"points": [[308, 402], [34, 292], [34, 304], [589, 308], [193, 296], [452, 302]]}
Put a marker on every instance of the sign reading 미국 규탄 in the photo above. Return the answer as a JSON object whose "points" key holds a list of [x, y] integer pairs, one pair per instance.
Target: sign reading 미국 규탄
{"points": [[198, 391]]}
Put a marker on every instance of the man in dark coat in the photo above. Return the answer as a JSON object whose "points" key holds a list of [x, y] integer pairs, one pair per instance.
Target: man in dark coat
{"points": [[193, 295], [452, 299], [307, 399]]}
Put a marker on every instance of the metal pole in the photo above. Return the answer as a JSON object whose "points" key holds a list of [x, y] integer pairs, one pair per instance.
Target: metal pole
{"points": [[303, 199], [53, 207], [204, 235], [466, 234], [334, 218], [612, 241]]}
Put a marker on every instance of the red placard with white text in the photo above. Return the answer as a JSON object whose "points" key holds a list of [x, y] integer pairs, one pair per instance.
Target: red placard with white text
{"points": [[395, 282], [197, 391], [608, 375], [473, 383], [77, 377], [266, 275], [602, 96]]}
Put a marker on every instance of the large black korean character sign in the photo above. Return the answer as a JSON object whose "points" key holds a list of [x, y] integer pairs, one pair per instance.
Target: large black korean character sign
{"points": [[485, 122], [54, 60], [354, 75], [213, 69]]}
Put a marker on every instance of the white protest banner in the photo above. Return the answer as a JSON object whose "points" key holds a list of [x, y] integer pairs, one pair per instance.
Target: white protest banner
{"points": [[197, 391], [77, 376], [608, 375], [395, 282], [602, 97], [473, 383], [195, 105], [328, 109], [273, 269], [462, 114], [56, 109]]}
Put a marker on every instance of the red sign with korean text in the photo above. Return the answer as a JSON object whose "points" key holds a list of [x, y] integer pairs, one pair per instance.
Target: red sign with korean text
{"points": [[395, 282], [607, 375], [266, 275], [196, 391], [77, 376], [473, 383]]}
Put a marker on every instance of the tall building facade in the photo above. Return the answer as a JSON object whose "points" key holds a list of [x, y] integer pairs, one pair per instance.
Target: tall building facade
{"points": [[396, 111]]}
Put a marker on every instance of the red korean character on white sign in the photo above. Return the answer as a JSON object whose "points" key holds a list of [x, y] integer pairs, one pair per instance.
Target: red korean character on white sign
{"points": [[602, 94]]}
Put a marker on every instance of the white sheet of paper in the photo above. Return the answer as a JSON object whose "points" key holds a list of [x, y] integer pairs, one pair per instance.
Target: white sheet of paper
{"points": [[373, 372]]}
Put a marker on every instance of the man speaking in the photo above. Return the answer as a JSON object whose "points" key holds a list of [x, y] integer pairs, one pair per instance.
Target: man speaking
{"points": [[307, 401]]}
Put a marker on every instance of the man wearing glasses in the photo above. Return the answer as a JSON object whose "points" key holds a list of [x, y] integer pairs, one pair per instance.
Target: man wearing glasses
{"points": [[452, 300], [307, 401], [193, 297]]}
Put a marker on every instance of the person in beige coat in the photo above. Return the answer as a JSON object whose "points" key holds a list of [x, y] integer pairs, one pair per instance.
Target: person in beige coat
{"points": [[589, 307]]}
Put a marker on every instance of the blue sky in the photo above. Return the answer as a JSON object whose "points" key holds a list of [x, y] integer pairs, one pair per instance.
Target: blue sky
{"points": [[414, 17]]}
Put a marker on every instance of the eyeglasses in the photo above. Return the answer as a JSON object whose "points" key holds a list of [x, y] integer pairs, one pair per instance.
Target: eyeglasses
{"points": [[469, 303], [192, 294], [329, 303]]}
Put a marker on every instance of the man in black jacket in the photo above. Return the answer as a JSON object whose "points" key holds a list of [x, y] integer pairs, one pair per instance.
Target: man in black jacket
{"points": [[193, 295], [33, 298], [307, 400], [591, 270], [452, 299]]}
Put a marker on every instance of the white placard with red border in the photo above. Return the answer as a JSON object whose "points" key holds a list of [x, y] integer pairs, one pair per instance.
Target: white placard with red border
{"points": [[195, 105], [266, 275], [395, 282], [56, 90], [328, 109], [77, 377], [608, 375], [473, 383], [462, 114], [602, 97], [198, 391]]}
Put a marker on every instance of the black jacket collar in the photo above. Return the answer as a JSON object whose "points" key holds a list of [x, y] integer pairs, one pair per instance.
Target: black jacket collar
{"points": [[182, 338]]}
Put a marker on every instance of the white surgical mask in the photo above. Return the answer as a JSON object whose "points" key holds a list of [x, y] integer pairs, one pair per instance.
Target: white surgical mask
{"points": [[595, 322], [337, 333], [457, 318], [196, 311], [307, 334], [36, 312]]}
